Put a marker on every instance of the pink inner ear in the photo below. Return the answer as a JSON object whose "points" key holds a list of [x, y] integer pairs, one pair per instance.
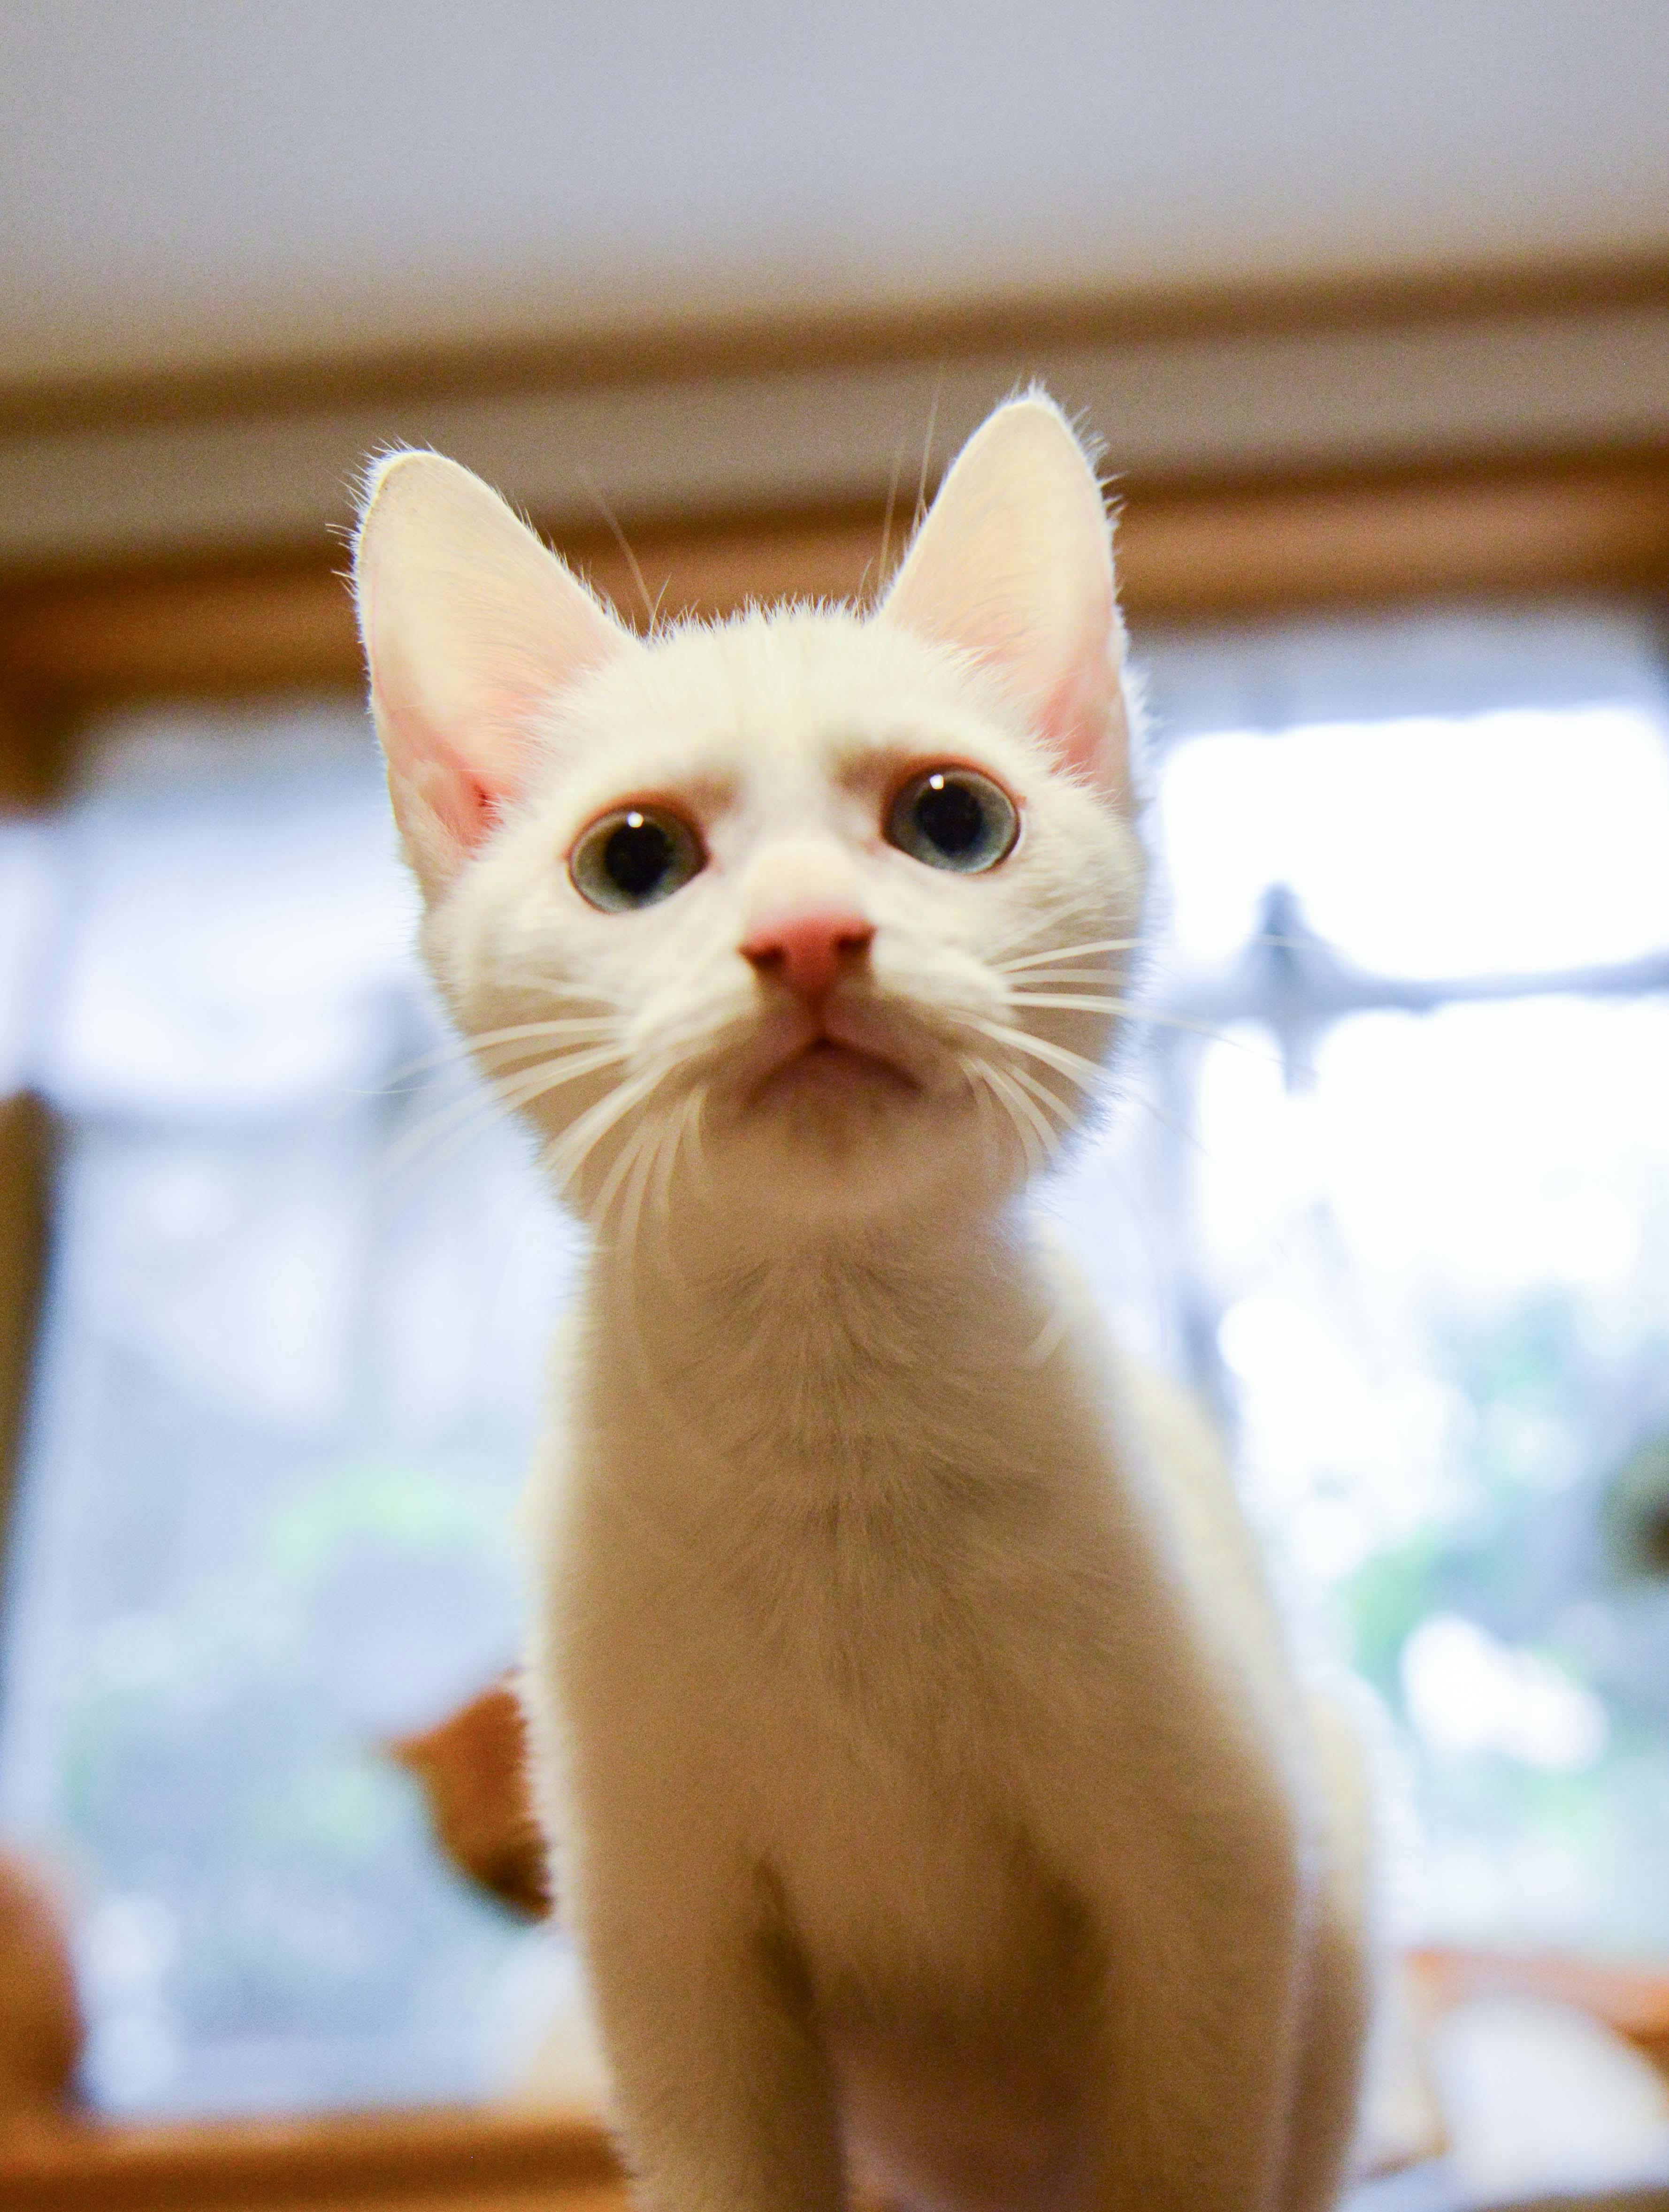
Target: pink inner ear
{"points": [[1083, 719], [1079, 725], [465, 790], [467, 811], [471, 627]]}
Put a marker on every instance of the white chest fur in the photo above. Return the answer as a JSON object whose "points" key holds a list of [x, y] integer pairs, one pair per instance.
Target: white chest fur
{"points": [[905, 1664]]}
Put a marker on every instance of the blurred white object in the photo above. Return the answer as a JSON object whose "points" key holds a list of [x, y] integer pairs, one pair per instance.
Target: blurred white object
{"points": [[1402, 2122], [1466, 1690], [547, 2052], [1538, 2096]]}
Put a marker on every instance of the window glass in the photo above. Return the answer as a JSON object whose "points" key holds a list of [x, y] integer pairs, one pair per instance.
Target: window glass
{"points": [[1443, 1274]]}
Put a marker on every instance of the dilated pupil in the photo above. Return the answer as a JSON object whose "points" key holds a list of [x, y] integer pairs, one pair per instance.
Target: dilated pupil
{"points": [[637, 856], [951, 816]]}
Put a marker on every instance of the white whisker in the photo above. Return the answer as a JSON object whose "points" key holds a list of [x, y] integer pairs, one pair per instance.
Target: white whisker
{"points": [[564, 1025], [687, 1115], [456, 1051], [701, 1166], [1080, 1002], [982, 1093], [1088, 1073], [516, 1090], [1067, 952], [508, 1092], [1048, 1136], [1043, 1094], [1057, 975], [625, 1162], [567, 1155], [505, 1039], [637, 1189], [529, 979], [985, 1080], [436, 1140], [1098, 1004], [513, 1091]]}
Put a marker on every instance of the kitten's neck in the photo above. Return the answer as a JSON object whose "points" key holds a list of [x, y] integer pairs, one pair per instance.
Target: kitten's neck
{"points": [[822, 1349]]}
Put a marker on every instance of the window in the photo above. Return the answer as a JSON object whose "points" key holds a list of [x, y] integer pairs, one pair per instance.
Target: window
{"points": [[1389, 1181], [1402, 1177]]}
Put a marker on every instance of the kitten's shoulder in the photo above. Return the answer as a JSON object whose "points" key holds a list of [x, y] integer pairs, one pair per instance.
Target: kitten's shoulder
{"points": [[1167, 1445]]}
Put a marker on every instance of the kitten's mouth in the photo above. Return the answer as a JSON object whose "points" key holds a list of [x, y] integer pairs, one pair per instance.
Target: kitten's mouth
{"points": [[828, 1057], [833, 1066]]}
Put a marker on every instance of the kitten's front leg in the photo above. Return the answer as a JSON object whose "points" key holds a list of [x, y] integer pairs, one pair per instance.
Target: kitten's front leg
{"points": [[1200, 1910], [721, 2087], [1202, 2021], [1339, 1997]]}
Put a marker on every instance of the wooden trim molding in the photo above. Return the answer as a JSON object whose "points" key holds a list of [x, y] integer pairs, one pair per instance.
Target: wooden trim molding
{"points": [[816, 414], [1188, 552], [479, 2160], [933, 330]]}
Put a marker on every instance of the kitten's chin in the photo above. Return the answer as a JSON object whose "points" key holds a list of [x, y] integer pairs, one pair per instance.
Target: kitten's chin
{"points": [[837, 1138]]}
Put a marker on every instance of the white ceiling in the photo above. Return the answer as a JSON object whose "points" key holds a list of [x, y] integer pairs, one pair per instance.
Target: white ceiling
{"points": [[194, 182]]}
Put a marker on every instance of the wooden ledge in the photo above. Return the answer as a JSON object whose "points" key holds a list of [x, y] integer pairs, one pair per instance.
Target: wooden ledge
{"points": [[466, 2161]]}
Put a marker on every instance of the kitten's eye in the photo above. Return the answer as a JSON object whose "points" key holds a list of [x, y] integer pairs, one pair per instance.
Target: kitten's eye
{"points": [[954, 818], [635, 856]]}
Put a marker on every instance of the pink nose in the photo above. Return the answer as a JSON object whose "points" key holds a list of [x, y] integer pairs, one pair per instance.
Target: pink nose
{"points": [[805, 945]]}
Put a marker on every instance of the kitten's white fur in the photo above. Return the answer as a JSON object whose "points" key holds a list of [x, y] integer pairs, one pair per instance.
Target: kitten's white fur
{"points": [[932, 1795]]}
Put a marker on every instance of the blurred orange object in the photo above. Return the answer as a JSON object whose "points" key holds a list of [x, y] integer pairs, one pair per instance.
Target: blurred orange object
{"points": [[472, 1767], [1633, 2001]]}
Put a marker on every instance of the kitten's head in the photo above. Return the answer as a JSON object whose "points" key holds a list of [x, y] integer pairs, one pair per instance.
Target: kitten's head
{"points": [[808, 916]]}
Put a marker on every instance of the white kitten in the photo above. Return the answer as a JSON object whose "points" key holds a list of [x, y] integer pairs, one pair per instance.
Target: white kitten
{"points": [[932, 1799]]}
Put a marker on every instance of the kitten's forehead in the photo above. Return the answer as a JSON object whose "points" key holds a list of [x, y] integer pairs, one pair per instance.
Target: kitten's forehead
{"points": [[773, 700]]}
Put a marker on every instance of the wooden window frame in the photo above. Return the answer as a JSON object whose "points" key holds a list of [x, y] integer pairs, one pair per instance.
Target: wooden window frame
{"points": [[1190, 551]]}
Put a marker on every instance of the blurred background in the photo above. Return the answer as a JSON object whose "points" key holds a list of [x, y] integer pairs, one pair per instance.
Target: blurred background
{"points": [[1370, 305]]}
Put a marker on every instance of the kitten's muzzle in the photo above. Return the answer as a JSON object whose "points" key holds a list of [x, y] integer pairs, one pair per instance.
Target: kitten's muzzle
{"points": [[806, 951]]}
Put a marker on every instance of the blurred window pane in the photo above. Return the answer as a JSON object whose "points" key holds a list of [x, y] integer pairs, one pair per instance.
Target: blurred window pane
{"points": [[285, 1396], [1525, 839], [1443, 1275], [1412, 1235]]}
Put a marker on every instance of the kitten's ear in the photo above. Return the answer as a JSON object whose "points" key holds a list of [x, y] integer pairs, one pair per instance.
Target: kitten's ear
{"points": [[470, 626], [1014, 566]]}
